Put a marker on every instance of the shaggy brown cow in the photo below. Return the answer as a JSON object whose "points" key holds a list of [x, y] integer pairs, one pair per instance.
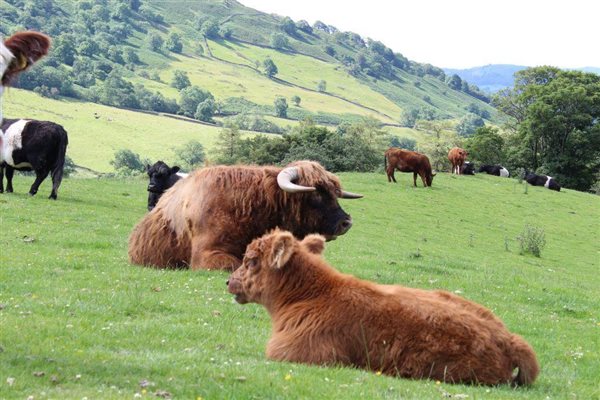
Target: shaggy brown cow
{"points": [[208, 219], [321, 316], [408, 161], [457, 157]]}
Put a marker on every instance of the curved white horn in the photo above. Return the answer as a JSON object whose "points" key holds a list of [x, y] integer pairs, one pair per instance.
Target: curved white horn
{"points": [[285, 178], [350, 195]]}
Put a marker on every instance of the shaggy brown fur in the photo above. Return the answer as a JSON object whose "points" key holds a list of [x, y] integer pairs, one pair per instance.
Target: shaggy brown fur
{"points": [[27, 48], [208, 219], [408, 161], [323, 317], [457, 157]]}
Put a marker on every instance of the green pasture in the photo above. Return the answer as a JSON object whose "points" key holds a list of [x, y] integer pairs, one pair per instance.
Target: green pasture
{"points": [[96, 132], [78, 321]]}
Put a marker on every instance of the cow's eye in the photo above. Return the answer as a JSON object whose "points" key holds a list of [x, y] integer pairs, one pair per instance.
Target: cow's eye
{"points": [[252, 263]]}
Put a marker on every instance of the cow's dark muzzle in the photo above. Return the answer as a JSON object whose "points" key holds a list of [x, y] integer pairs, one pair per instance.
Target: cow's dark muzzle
{"points": [[153, 189], [343, 226]]}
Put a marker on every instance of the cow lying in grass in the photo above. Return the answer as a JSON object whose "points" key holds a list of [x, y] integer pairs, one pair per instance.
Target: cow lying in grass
{"points": [[541, 180], [321, 316], [497, 170]]}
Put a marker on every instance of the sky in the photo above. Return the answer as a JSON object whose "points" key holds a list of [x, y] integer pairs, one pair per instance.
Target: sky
{"points": [[464, 33]]}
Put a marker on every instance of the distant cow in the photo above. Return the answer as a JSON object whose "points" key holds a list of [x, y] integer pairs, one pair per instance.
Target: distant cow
{"points": [[408, 161], [497, 170], [457, 157], [207, 219], [468, 168], [33, 145], [542, 180], [321, 316], [162, 177]]}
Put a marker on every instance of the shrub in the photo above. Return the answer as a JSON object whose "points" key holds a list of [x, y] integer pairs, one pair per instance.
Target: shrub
{"points": [[191, 155], [127, 163], [532, 240]]}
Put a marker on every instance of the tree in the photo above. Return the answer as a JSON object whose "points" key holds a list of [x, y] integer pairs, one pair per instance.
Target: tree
{"points": [[131, 56], [279, 41], [281, 107], [210, 29], [135, 4], [191, 155], [555, 128], [180, 80], [126, 162], [155, 42], [116, 91], [228, 145], [409, 116], [205, 110], [269, 68], [322, 86], [288, 26], [454, 82], [174, 43], [404, 143], [486, 146], [468, 124], [64, 49], [190, 97], [296, 100]]}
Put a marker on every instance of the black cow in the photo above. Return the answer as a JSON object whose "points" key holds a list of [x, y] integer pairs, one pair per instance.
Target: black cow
{"points": [[468, 168], [541, 180], [497, 170], [32, 145], [162, 177]]}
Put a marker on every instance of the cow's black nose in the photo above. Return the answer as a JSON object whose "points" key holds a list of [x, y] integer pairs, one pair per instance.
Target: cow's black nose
{"points": [[344, 225]]}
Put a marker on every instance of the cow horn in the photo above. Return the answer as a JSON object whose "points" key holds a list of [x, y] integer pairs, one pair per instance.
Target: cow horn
{"points": [[350, 195], [285, 178]]}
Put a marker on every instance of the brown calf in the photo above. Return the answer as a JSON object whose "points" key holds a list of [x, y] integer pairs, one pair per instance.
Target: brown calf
{"points": [[323, 317], [457, 157]]}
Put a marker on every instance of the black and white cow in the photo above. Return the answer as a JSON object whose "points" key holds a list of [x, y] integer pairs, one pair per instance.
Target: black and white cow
{"points": [[497, 170], [542, 180], [162, 177], [468, 168], [33, 145]]}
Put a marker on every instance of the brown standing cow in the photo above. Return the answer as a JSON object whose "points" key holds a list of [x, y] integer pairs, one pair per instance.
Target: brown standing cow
{"points": [[408, 161], [207, 219], [321, 316], [457, 157]]}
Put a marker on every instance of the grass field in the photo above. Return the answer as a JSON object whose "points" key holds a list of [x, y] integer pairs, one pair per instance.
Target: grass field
{"points": [[94, 141], [78, 321]]}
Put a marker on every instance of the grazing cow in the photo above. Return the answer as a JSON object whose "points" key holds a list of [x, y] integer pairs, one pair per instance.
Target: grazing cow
{"points": [[207, 220], [162, 177], [541, 180], [408, 161], [497, 170], [457, 157], [33, 145], [468, 168], [321, 316]]}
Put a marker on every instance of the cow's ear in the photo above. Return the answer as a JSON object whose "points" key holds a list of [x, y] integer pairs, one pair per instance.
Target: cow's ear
{"points": [[175, 169], [147, 167], [314, 243], [281, 249]]}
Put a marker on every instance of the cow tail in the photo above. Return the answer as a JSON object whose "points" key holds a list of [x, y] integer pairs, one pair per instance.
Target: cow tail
{"points": [[385, 162], [523, 357], [57, 171]]}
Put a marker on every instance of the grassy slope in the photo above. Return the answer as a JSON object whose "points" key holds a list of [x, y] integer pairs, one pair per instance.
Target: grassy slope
{"points": [[72, 305], [93, 142]]}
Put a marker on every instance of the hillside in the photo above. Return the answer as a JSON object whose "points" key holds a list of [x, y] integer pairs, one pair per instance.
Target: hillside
{"points": [[103, 50], [79, 321]]}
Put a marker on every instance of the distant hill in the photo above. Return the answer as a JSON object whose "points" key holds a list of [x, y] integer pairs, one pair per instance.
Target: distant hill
{"points": [[490, 78], [126, 53], [494, 77]]}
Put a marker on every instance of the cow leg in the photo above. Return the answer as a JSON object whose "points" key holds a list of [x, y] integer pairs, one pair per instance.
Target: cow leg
{"points": [[415, 179], [423, 179], [57, 175], [209, 257], [10, 172], [1, 179], [40, 175], [390, 173]]}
